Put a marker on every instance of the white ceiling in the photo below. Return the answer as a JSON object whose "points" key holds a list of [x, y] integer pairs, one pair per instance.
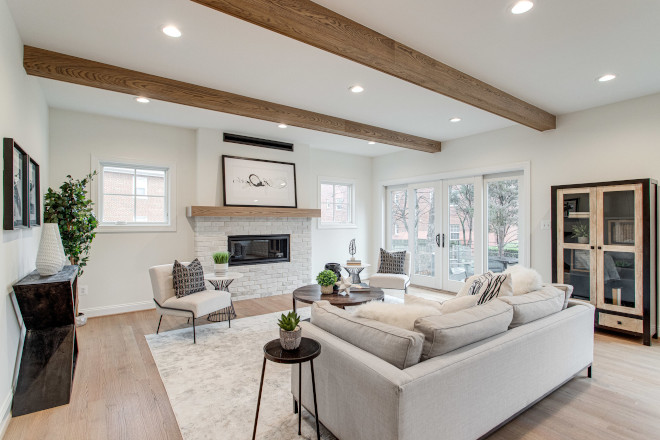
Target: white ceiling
{"points": [[548, 57]]}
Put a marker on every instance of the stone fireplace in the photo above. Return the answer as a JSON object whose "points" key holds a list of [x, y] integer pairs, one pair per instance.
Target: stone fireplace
{"points": [[211, 234]]}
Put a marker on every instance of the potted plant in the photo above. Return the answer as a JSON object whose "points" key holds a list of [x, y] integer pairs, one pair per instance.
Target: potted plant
{"points": [[221, 260], [581, 232], [73, 213], [290, 331], [326, 280]]}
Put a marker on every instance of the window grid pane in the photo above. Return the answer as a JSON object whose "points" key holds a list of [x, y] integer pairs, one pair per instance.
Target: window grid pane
{"points": [[336, 203]]}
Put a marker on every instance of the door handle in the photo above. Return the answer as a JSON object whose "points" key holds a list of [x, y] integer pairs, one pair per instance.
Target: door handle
{"points": [[443, 240], [592, 247], [599, 247], [437, 240]]}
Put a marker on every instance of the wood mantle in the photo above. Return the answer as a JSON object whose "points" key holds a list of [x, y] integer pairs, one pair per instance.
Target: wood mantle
{"points": [[249, 211]]}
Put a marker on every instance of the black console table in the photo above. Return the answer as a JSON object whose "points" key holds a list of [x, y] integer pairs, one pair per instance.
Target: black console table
{"points": [[50, 348]]}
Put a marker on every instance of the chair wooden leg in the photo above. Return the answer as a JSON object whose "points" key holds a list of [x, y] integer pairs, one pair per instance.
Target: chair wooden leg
{"points": [[159, 321]]}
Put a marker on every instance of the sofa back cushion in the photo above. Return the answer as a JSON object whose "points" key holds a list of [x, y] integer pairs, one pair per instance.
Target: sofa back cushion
{"points": [[399, 347], [448, 332], [535, 305]]}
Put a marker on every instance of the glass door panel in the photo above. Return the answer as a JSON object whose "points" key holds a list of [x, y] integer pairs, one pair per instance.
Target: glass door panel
{"points": [[619, 218], [577, 272], [424, 240], [399, 216], [577, 218], [461, 218], [503, 223], [619, 279]]}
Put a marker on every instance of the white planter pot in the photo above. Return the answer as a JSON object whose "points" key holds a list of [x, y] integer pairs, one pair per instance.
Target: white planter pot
{"points": [[50, 256], [221, 269], [583, 240]]}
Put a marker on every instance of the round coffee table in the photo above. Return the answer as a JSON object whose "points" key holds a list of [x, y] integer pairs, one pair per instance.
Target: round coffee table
{"points": [[312, 293]]}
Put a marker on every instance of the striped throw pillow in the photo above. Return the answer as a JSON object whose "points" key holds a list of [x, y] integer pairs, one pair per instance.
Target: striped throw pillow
{"points": [[488, 286]]}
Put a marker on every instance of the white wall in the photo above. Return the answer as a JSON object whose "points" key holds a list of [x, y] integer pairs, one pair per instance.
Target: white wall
{"points": [[614, 142], [331, 245], [24, 117], [117, 272]]}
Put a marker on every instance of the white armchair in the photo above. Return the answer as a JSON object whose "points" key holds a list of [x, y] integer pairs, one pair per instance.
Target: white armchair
{"points": [[190, 306], [392, 280]]}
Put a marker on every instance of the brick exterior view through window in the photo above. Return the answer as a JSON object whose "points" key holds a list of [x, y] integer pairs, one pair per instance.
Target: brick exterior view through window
{"points": [[336, 203], [133, 195]]}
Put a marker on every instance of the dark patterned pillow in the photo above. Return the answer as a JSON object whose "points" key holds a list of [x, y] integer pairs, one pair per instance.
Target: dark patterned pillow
{"points": [[392, 262], [487, 286], [188, 279]]}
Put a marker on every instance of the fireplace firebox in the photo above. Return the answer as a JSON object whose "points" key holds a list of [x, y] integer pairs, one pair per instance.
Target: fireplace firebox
{"points": [[258, 249]]}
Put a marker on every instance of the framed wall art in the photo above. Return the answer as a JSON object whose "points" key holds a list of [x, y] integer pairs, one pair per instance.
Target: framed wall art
{"points": [[15, 186], [34, 191], [257, 182]]}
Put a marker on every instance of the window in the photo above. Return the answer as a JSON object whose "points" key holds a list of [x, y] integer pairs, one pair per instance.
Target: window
{"points": [[337, 204], [454, 232], [136, 196]]}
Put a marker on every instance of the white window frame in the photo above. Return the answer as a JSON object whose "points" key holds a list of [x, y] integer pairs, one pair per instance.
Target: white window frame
{"points": [[170, 195], [338, 181]]}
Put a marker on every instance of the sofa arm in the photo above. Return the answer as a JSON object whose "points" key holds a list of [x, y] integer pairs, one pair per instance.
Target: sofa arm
{"points": [[357, 393]]}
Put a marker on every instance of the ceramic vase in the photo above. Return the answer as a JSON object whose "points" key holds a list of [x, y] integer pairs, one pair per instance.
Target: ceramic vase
{"points": [[50, 257], [290, 340], [583, 240], [221, 269]]}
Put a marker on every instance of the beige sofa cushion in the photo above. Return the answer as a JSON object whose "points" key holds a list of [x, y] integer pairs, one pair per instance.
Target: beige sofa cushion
{"points": [[535, 305], [448, 332], [399, 347], [398, 315]]}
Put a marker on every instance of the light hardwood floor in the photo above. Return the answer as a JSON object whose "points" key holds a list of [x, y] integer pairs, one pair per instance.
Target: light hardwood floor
{"points": [[118, 393]]}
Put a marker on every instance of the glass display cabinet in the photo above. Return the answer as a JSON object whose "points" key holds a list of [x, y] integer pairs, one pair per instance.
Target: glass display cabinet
{"points": [[604, 245]]}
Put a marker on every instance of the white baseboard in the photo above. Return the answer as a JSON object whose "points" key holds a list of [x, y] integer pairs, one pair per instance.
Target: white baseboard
{"points": [[118, 308], [5, 412]]}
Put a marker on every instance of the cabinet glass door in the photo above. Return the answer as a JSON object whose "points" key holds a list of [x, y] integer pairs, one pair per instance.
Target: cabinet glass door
{"points": [[620, 248], [576, 239]]}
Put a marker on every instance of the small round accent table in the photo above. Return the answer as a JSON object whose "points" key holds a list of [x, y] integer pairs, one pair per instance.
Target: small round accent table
{"points": [[354, 271], [309, 349], [222, 282], [312, 293]]}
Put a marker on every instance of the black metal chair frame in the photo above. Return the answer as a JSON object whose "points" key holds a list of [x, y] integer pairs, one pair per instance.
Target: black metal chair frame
{"points": [[192, 315]]}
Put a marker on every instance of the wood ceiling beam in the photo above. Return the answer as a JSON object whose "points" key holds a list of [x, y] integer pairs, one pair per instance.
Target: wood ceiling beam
{"points": [[61, 67], [313, 24]]}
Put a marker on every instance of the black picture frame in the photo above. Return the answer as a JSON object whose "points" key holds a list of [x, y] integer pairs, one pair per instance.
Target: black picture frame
{"points": [[571, 205], [15, 186], [34, 193], [276, 177]]}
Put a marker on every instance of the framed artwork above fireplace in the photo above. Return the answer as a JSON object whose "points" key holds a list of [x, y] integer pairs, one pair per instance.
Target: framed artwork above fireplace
{"points": [[257, 182]]}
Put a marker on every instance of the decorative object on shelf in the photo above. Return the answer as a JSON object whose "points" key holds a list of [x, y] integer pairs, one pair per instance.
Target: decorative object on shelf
{"points": [[257, 182], [34, 191], [581, 232], [570, 206], [344, 285], [352, 249], [73, 212], [336, 268], [50, 256], [326, 280], [290, 331], [221, 260], [15, 186]]}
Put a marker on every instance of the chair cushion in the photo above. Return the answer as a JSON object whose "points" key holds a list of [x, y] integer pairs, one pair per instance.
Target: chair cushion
{"points": [[389, 280], [392, 262], [487, 286], [201, 303], [448, 332], [188, 279], [535, 305], [399, 347]]}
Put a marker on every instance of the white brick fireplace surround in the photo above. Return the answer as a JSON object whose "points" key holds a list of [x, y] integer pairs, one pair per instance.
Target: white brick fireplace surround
{"points": [[259, 280]]}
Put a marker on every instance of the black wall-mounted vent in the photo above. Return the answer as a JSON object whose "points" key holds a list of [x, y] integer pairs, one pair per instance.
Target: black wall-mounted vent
{"points": [[265, 143]]}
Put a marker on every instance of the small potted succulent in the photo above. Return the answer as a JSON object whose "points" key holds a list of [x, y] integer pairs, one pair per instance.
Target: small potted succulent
{"points": [[326, 280], [581, 232], [290, 331], [221, 260]]}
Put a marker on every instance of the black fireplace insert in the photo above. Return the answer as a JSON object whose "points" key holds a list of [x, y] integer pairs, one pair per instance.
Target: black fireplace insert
{"points": [[258, 249]]}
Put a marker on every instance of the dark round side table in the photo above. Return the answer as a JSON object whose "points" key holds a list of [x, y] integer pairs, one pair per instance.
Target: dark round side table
{"points": [[308, 350]]}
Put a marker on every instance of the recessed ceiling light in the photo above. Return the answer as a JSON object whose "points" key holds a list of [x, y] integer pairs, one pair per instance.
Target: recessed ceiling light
{"points": [[455, 120], [142, 99], [522, 6], [172, 31], [282, 125], [607, 77], [356, 89], [371, 142]]}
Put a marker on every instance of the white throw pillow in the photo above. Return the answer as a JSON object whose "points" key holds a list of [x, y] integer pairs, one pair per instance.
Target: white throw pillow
{"points": [[524, 279], [487, 286], [398, 315]]}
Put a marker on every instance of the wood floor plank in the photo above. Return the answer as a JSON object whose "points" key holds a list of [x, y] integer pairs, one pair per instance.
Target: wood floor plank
{"points": [[118, 393]]}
